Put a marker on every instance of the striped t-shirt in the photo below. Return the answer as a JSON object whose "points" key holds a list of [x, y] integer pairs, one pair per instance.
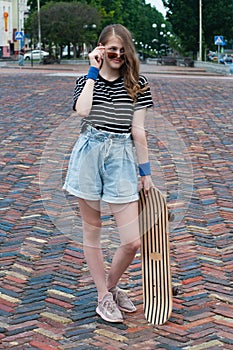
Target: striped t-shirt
{"points": [[112, 107]]}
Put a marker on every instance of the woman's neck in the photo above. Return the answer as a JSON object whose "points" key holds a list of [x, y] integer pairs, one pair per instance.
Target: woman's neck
{"points": [[109, 74]]}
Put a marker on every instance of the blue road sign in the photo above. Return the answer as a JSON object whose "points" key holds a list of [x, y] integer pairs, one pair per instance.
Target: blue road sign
{"points": [[218, 40], [19, 35]]}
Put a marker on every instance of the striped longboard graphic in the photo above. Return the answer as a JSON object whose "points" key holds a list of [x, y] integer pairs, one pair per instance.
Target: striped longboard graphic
{"points": [[155, 249]]}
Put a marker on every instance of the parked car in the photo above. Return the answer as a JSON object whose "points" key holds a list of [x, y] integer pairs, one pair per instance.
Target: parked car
{"points": [[65, 52], [84, 54], [226, 59], [35, 54], [231, 68], [212, 56]]}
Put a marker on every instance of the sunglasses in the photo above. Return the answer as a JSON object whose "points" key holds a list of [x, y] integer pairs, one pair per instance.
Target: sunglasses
{"points": [[113, 55]]}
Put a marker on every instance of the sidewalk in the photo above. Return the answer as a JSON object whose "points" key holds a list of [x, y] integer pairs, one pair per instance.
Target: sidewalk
{"points": [[83, 67], [47, 298]]}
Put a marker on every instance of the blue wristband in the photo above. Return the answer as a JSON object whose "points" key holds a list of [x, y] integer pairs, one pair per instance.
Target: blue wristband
{"points": [[93, 73], [144, 169]]}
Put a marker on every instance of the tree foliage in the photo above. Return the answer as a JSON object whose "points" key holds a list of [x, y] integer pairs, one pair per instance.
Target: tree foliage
{"points": [[217, 20], [65, 21]]}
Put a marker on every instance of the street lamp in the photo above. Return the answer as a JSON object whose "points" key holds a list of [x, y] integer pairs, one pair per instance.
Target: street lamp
{"points": [[154, 26], [39, 27], [160, 33], [29, 44], [200, 31], [85, 48]]}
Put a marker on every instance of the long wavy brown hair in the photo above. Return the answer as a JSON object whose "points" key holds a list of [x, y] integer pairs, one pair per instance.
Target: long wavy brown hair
{"points": [[130, 68]]}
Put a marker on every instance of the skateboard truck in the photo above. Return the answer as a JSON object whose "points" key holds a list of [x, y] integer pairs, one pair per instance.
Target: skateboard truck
{"points": [[176, 291], [171, 216]]}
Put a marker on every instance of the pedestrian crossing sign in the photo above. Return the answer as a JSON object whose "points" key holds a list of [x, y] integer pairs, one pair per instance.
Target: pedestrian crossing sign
{"points": [[19, 35], [218, 40]]}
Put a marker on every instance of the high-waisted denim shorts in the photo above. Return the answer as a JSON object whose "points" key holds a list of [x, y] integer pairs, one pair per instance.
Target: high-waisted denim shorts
{"points": [[103, 166]]}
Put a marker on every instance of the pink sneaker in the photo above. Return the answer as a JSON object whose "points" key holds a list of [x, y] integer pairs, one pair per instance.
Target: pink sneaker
{"points": [[122, 300], [108, 310]]}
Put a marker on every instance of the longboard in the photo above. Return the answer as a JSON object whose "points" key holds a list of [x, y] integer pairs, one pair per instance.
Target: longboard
{"points": [[155, 255]]}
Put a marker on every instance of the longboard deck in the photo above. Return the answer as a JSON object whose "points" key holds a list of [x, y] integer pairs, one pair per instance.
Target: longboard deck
{"points": [[155, 255]]}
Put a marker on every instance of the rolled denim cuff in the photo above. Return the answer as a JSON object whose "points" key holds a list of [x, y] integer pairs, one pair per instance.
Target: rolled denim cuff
{"points": [[144, 169], [93, 73]]}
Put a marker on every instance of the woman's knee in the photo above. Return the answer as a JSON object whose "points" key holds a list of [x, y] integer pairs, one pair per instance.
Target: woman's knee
{"points": [[92, 224], [91, 233], [133, 246]]}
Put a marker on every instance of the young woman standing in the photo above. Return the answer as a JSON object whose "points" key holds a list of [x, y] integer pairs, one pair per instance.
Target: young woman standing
{"points": [[112, 100]]}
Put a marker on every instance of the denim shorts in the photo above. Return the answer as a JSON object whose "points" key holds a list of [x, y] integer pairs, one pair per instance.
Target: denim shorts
{"points": [[103, 166]]}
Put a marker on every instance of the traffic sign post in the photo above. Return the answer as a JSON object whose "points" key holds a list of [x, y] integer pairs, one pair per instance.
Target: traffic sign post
{"points": [[219, 40], [19, 35]]}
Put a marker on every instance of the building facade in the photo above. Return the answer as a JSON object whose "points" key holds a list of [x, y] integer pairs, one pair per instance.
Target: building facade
{"points": [[12, 17]]}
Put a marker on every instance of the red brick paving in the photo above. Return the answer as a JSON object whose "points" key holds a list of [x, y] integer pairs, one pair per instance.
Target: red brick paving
{"points": [[47, 298]]}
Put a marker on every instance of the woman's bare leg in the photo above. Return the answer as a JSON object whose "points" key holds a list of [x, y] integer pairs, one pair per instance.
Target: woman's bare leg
{"points": [[90, 212], [126, 216]]}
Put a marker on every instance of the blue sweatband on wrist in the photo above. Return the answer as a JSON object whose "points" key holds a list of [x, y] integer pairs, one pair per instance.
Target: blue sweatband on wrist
{"points": [[144, 169], [93, 73]]}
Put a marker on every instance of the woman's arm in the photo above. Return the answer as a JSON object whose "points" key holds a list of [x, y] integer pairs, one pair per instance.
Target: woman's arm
{"points": [[84, 103], [140, 141], [139, 135]]}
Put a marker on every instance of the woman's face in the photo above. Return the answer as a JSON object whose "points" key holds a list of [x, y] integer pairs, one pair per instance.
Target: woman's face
{"points": [[114, 53]]}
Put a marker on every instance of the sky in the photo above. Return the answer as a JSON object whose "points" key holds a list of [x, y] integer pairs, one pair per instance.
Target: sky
{"points": [[158, 4]]}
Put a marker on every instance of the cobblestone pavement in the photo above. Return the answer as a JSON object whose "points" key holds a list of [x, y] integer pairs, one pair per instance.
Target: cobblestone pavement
{"points": [[47, 299]]}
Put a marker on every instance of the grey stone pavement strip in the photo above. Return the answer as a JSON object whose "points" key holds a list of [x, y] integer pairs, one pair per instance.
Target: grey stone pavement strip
{"points": [[47, 298]]}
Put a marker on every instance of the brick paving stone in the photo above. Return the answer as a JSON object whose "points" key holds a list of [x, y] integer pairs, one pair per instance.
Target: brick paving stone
{"points": [[42, 346], [225, 335], [48, 299], [17, 339]]}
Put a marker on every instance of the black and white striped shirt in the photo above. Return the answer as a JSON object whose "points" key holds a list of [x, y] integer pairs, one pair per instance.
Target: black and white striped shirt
{"points": [[112, 107]]}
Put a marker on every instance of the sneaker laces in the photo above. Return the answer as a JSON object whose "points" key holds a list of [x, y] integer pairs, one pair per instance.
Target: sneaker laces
{"points": [[110, 305], [120, 295]]}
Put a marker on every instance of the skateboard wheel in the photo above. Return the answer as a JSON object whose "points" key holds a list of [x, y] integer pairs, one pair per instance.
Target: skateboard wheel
{"points": [[176, 291], [171, 217]]}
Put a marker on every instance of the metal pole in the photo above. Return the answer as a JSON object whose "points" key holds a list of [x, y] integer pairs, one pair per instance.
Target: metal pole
{"points": [[200, 30], [218, 53], [31, 52], [19, 41], [39, 27]]}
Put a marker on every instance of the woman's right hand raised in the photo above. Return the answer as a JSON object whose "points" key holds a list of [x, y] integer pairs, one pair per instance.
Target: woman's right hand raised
{"points": [[96, 56]]}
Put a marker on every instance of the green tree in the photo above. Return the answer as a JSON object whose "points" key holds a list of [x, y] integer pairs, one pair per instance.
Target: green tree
{"points": [[33, 4], [63, 23], [145, 31], [136, 15], [218, 20], [111, 10], [184, 17]]}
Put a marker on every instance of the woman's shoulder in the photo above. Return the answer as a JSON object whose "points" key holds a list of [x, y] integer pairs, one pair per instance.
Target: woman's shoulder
{"points": [[142, 80], [81, 79]]}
